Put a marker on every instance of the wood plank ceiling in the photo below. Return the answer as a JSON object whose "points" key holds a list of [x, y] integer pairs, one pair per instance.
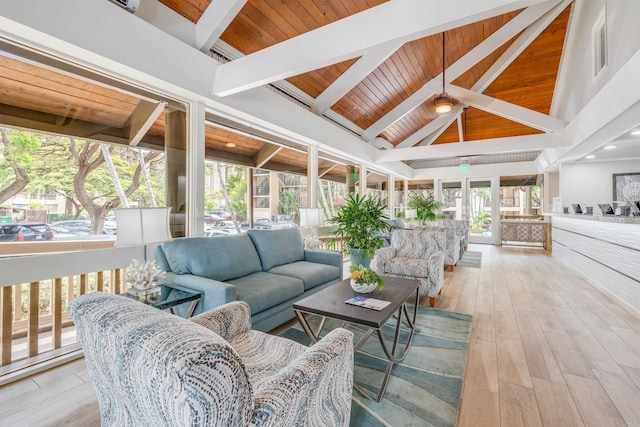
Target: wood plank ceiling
{"points": [[528, 81]]}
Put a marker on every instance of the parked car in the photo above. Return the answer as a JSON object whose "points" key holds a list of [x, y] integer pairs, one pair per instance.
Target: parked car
{"points": [[61, 233], [283, 221], [25, 232], [262, 223], [75, 226], [110, 225]]}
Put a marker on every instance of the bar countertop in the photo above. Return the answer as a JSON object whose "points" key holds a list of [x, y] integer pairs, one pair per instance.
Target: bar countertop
{"points": [[604, 218]]}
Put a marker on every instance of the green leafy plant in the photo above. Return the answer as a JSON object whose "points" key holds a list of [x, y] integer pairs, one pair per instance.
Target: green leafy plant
{"points": [[426, 207], [358, 222], [365, 276]]}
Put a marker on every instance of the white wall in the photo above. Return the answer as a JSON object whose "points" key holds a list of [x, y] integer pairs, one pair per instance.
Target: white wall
{"points": [[623, 34], [591, 183]]}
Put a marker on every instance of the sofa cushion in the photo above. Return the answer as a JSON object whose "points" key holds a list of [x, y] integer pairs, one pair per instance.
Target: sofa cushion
{"points": [[277, 247], [264, 290], [219, 258], [311, 273]]}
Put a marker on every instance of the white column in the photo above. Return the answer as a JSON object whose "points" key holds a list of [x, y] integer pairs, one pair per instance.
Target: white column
{"points": [[363, 179], [312, 176], [405, 193], [195, 169], [391, 195]]}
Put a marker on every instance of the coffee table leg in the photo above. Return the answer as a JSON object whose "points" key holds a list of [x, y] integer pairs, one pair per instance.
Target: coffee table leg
{"points": [[391, 355], [314, 336]]}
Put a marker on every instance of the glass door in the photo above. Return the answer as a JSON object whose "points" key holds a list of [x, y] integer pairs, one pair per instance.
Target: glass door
{"points": [[480, 208], [453, 199]]}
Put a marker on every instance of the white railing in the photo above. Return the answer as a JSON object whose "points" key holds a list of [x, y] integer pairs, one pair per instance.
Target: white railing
{"points": [[35, 290]]}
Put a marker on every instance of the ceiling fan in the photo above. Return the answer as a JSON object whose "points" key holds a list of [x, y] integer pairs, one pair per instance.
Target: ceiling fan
{"points": [[444, 101]]}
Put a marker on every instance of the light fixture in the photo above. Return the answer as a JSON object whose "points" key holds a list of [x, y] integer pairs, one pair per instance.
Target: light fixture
{"points": [[142, 226], [635, 132], [590, 156], [609, 147], [443, 102], [231, 144]]}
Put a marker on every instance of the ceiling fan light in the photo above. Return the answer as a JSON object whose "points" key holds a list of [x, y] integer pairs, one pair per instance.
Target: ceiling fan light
{"points": [[443, 103]]}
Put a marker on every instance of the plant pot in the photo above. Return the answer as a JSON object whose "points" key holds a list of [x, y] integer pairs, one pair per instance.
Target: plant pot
{"points": [[359, 257], [363, 288]]}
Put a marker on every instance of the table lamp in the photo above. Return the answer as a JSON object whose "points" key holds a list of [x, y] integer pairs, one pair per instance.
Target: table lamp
{"points": [[312, 217], [142, 226], [410, 215]]}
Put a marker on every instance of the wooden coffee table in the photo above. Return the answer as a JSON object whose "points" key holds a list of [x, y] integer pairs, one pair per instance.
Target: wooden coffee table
{"points": [[330, 303]]}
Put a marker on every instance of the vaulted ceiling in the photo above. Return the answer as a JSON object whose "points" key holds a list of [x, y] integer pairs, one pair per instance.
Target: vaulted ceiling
{"points": [[501, 65], [370, 67]]}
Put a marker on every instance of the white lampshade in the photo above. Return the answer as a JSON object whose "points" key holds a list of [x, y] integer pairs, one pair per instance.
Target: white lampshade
{"points": [[411, 213], [140, 226], [311, 216]]}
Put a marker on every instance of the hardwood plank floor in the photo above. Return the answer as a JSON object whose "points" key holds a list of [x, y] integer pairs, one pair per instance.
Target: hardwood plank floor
{"points": [[547, 349]]}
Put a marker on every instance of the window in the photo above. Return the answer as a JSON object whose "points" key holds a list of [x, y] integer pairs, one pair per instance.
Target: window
{"points": [[599, 41]]}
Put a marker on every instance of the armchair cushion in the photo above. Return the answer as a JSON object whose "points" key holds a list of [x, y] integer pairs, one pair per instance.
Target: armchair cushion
{"points": [[415, 267]]}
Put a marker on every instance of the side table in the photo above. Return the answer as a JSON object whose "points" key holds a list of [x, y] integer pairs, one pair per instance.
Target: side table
{"points": [[170, 296]]}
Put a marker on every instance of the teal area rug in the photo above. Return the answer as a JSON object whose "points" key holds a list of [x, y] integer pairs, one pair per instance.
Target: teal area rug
{"points": [[425, 389], [470, 259]]}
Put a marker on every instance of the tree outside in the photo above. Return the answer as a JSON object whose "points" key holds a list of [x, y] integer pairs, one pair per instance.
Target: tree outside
{"points": [[93, 178]]}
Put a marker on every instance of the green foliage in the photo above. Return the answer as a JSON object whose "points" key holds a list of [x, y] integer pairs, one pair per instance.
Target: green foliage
{"points": [[365, 276], [426, 207], [289, 202], [237, 189], [358, 222]]}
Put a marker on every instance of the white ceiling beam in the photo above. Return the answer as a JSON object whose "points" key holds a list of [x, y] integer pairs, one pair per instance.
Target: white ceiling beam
{"points": [[141, 120], [475, 55], [354, 75], [215, 19], [471, 148], [508, 110], [354, 36], [510, 55]]}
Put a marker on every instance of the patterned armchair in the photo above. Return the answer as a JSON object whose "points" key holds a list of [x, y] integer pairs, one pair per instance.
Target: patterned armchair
{"points": [[417, 254], [461, 228], [452, 251], [151, 368]]}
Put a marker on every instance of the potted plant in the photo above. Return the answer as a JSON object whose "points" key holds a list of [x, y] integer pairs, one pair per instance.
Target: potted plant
{"points": [[426, 207], [364, 279], [358, 223]]}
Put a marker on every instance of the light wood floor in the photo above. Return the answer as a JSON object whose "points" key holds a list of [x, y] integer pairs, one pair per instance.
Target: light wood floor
{"points": [[547, 349]]}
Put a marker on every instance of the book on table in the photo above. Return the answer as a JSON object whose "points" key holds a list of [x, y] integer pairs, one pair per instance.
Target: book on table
{"points": [[368, 302]]}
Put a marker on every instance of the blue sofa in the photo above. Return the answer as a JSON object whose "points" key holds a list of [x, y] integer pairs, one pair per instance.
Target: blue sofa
{"points": [[267, 269]]}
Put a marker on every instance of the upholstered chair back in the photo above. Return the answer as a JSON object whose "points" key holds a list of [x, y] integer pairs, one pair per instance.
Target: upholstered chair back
{"points": [[155, 369], [417, 244]]}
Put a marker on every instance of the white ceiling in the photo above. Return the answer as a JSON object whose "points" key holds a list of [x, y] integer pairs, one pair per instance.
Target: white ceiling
{"points": [[625, 147]]}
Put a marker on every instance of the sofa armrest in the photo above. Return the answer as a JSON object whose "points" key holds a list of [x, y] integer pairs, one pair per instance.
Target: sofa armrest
{"points": [[214, 292], [383, 256], [303, 392], [228, 320], [324, 256]]}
